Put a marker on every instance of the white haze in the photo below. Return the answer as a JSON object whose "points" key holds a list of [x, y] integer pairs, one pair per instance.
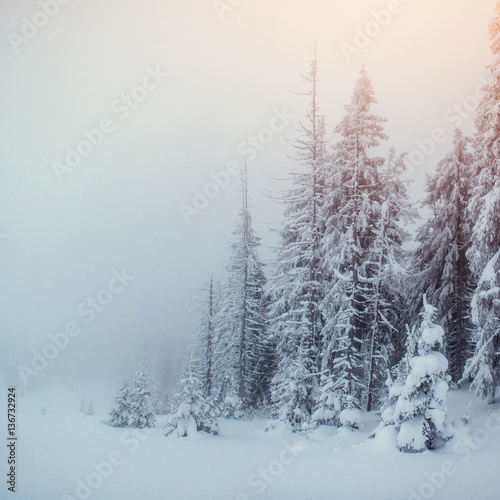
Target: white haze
{"points": [[119, 208]]}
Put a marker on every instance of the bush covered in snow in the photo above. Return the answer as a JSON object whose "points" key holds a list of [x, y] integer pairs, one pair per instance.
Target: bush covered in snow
{"points": [[233, 407], [194, 412], [350, 416], [193, 415], [328, 404]]}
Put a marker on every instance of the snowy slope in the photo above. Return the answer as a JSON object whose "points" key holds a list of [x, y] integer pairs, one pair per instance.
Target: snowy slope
{"points": [[56, 451]]}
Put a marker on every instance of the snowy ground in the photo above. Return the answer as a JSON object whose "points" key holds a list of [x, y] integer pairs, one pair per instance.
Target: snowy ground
{"points": [[59, 452]]}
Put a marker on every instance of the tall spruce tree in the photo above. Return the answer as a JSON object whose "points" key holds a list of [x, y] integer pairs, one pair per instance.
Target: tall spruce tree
{"points": [[351, 213], [205, 341], [241, 339], [296, 290], [484, 365], [441, 264], [388, 271]]}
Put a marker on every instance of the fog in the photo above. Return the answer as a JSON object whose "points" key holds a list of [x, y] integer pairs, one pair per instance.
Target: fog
{"points": [[216, 78]]}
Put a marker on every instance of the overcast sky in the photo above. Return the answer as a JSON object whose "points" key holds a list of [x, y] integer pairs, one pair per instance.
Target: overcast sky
{"points": [[215, 78]]}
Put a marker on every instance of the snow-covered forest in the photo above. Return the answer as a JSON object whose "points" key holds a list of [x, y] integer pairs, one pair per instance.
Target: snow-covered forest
{"points": [[353, 352], [347, 310]]}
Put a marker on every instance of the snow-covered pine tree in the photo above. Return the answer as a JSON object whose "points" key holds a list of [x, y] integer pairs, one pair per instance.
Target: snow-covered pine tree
{"points": [[120, 414], [292, 389], [161, 403], [388, 270], [141, 414], [351, 212], [218, 293], [397, 376], [421, 409], [441, 264], [90, 410], [350, 416], [395, 382], [265, 368], [484, 366], [242, 321], [484, 209], [296, 288], [206, 338], [328, 404], [224, 355], [194, 413]]}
